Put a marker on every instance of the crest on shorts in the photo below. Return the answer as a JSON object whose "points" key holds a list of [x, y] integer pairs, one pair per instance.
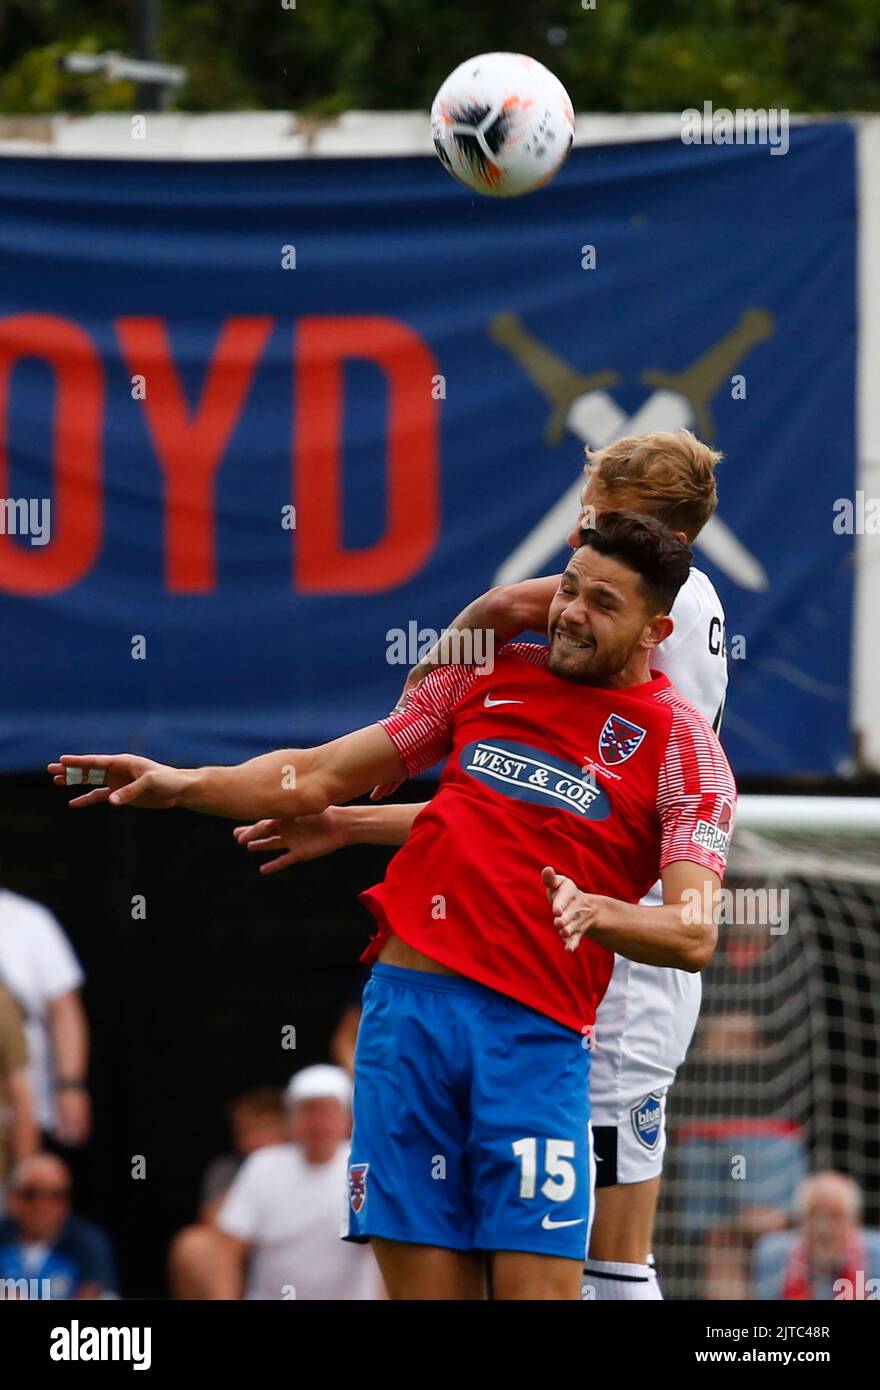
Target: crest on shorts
{"points": [[357, 1186], [647, 1120], [619, 739]]}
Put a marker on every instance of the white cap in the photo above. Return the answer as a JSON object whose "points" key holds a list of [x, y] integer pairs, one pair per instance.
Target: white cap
{"points": [[319, 1082]]}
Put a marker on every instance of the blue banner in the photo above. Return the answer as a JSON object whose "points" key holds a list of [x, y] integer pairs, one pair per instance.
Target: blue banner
{"points": [[267, 427]]}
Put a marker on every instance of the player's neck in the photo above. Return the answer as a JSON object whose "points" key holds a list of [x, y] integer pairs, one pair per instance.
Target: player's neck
{"points": [[636, 672]]}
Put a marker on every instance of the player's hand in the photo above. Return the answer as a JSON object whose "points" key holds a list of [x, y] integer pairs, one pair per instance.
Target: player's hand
{"points": [[306, 837], [412, 682], [127, 780], [575, 914]]}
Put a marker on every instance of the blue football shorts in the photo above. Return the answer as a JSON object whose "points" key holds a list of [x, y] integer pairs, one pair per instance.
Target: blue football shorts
{"points": [[471, 1120]]}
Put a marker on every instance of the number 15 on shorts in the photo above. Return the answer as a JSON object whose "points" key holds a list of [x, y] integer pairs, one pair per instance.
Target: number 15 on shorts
{"points": [[560, 1182]]}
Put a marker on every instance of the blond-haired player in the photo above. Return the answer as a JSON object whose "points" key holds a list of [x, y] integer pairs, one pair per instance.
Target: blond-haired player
{"points": [[647, 1018]]}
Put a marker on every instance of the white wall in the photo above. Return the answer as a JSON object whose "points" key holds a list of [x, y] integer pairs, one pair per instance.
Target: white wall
{"points": [[272, 134]]}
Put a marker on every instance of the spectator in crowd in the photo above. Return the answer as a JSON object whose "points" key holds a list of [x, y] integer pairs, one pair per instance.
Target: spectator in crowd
{"points": [[19, 1135], [41, 1241], [829, 1255], [278, 1227], [344, 1039], [38, 966], [256, 1119], [740, 1172]]}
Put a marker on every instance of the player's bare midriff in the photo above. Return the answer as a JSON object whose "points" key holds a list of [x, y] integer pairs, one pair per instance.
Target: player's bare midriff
{"points": [[396, 952]]}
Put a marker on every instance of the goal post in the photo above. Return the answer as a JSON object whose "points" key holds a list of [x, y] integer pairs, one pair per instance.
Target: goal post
{"points": [[783, 1075]]}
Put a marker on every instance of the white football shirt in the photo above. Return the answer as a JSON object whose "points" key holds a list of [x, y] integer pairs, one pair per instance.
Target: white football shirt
{"points": [[288, 1211], [37, 965], [694, 658], [693, 655]]}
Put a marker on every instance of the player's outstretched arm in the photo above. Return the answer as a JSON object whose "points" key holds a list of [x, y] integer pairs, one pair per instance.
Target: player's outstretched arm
{"points": [[311, 837], [287, 783], [681, 934]]}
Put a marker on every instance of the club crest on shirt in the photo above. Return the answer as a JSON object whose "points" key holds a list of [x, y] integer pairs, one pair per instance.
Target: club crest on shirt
{"points": [[716, 837], [357, 1186], [647, 1119], [619, 739]]}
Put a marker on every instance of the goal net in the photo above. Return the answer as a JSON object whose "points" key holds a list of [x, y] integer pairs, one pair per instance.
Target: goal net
{"points": [[783, 1075]]}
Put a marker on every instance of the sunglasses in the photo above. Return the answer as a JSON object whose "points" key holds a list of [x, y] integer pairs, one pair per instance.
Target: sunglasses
{"points": [[32, 1194]]}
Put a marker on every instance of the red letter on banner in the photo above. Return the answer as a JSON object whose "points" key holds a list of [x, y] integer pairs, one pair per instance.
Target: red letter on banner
{"points": [[76, 448], [190, 447], [412, 510]]}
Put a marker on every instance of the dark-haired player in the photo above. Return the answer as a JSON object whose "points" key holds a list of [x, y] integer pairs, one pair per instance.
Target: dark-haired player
{"points": [[647, 1016], [471, 1110]]}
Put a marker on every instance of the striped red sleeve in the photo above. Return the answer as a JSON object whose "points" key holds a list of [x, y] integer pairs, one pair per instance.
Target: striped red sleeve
{"points": [[422, 731], [696, 792]]}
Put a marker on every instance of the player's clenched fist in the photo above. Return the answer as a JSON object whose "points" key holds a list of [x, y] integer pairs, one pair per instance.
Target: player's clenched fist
{"points": [[575, 914], [121, 779]]}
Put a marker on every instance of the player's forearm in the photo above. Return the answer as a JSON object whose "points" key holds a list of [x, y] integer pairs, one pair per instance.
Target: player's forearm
{"points": [[450, 650], [283, 784], [294, 782], [501, 614], [671, 935], [378, 824]]}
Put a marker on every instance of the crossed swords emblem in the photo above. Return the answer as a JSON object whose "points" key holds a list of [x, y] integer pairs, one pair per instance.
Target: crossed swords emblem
{"points": [[582, 404]]}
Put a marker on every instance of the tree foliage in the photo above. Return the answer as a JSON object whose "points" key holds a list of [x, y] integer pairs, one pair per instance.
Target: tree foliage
{"points": [[325, 56]]}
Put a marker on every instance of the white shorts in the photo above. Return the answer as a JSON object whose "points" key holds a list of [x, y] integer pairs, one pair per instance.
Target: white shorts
{"points": [[644, 1027]]}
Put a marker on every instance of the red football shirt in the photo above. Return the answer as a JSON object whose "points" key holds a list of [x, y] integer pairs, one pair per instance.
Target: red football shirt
{"points": [[606, 786]]}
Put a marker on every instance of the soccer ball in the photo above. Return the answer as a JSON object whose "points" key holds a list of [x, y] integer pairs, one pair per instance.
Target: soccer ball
{"points": [[502, 124]]}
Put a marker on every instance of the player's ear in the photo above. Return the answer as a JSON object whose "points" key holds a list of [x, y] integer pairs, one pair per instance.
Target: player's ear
{"points": [[657, 630]]}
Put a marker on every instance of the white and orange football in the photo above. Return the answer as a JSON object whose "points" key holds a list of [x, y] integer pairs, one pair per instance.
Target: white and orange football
{"points": [[502, 124]]}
